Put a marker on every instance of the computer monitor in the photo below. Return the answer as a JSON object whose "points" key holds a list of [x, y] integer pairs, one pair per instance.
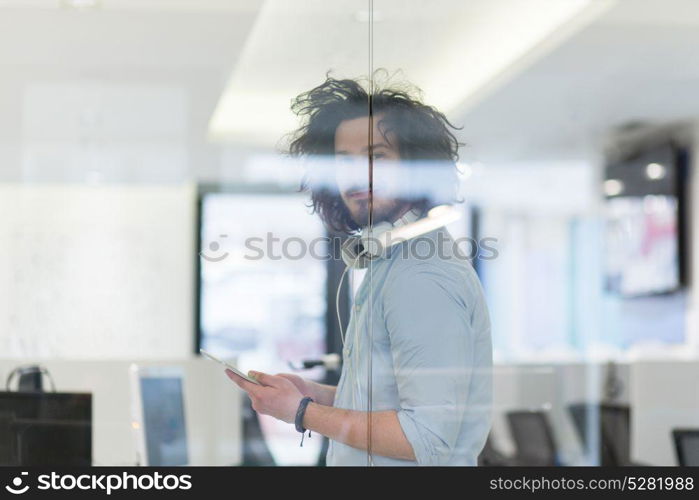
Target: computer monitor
{"points": [[45, 429], [686, 446], [644, 237], [158, 415]]}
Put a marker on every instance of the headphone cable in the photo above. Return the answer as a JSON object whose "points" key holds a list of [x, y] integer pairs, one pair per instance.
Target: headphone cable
{"points": [[337, 295]]}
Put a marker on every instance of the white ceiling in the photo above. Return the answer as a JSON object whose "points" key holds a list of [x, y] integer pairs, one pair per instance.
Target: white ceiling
{"points": [[115, 38], [636, 61], [451, 49], [136, 5], [100, 64]]}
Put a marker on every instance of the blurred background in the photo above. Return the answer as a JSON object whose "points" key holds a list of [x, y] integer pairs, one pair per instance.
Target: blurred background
{"points": [[140, 151]]}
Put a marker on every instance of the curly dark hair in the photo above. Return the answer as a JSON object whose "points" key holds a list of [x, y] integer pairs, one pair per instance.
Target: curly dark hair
{"points": [[422, 133]]}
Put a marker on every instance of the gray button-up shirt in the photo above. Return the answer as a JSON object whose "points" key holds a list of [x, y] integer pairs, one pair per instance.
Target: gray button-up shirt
{"points": [[431, 353]]}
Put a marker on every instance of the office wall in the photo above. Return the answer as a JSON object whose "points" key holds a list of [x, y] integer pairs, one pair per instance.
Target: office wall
{"points": [[96, 271], [664, 395]]}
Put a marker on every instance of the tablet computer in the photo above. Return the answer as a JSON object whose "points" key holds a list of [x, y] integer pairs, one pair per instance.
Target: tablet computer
{"points": [[232, 368]]}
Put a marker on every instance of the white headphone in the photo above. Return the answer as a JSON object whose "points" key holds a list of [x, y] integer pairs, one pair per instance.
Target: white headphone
{"points": [[359, 250], [372, 242]]}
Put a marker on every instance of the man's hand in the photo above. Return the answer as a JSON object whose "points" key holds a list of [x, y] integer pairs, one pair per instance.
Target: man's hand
{"points": [[277, 396], [304, 386]]}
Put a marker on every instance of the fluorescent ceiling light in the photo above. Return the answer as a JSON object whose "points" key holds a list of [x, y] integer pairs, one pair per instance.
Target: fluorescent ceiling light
{"points": [[507, 38], [363, 16], [249, 116], [81, 4]]}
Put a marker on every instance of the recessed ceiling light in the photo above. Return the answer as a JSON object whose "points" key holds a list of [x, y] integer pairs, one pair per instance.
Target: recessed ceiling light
{"points": [[613, 187], [81, 4], [655, 171], [362, 16]]}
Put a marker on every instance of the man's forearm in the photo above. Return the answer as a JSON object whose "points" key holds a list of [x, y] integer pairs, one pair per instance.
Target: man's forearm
{"points": [[324, 394], [351, 428]]}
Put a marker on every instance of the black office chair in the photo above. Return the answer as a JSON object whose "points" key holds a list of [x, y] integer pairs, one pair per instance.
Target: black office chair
{"points": [[686, 446], [613, 422], [579, 414], [616, 432], [490, 456], [255, 450], [533, 438]]}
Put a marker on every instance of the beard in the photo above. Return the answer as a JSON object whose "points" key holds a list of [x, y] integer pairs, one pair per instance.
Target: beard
{"points": [[383, 211]]}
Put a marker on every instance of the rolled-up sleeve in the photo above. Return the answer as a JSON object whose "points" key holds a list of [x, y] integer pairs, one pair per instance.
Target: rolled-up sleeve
{"points": [[428, 319]]}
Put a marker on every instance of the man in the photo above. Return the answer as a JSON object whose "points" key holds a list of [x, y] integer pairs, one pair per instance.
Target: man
{"points": [[419, 332]]}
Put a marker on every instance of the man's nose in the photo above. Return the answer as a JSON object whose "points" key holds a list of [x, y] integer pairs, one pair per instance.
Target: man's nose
{"points": [[350, 176]]}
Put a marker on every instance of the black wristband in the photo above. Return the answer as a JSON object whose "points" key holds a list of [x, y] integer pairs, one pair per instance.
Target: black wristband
{"points": [[298, 421]]}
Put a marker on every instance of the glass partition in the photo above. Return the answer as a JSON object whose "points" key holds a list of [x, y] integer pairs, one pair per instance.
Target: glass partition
{"points": [[455, 232], [156, 200], [528, 346]]}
